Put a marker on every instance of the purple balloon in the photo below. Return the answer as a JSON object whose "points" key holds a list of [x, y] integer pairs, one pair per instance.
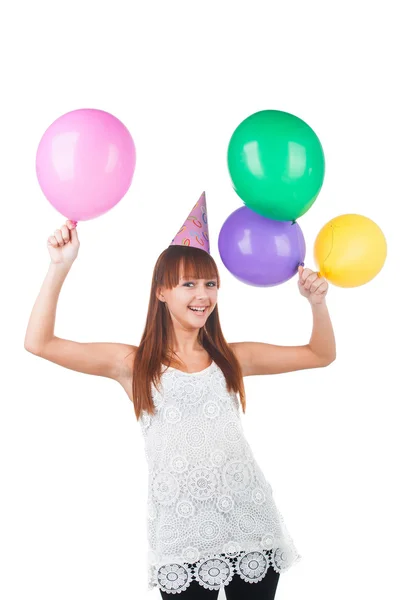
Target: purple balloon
{"points": [[259, 251]]}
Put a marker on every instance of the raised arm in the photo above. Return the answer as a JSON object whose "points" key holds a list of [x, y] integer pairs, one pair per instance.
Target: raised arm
{"points": [[258, 358], [100, 358]]}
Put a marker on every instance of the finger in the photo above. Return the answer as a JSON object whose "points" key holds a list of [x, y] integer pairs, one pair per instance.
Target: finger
{"points": [[58, 236], [300, 270], [71, 224], [305, 273], [51, 241], [322, 288], [74, 235], [310, 280], [65, 234], [317, 284]]}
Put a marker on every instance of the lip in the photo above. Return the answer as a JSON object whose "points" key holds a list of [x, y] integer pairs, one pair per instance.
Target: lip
{"points": [[198, 306], [199, 313]]}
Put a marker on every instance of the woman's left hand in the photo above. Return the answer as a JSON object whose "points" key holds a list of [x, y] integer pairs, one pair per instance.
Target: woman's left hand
{"points": [[312, 286]]}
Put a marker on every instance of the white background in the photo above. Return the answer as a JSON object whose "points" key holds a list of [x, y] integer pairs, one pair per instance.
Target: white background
{"points": [[182, 76]]}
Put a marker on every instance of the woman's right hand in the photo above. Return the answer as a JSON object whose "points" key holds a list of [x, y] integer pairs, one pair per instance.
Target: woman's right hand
{"points": [[63, 246]]}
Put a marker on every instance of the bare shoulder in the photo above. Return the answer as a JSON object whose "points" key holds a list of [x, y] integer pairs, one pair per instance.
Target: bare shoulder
{"points": [[235, 347], [239, 350], [127, 356]]}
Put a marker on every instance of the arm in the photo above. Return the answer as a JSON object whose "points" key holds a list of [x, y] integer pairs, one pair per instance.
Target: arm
{"points": [[105, 359], [99, 358], [257, 358]]}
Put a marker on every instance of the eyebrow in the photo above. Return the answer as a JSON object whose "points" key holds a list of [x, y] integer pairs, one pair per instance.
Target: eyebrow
{"points": [[206, 279]]}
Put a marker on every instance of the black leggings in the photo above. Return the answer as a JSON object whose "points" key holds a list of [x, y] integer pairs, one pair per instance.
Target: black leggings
{"points": [[237, 589]]}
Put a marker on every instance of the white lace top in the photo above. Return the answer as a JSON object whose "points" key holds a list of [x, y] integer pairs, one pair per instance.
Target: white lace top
{"points": [[211, 512]]}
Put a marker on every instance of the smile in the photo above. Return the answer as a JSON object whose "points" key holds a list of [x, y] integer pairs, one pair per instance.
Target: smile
{"points": [[200, 309]]}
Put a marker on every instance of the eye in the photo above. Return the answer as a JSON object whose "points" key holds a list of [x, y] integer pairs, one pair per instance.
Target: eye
{"points": [[213, 283]]}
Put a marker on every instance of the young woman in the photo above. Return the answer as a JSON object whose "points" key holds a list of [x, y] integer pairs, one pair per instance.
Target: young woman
{"points": [[212, 520]]}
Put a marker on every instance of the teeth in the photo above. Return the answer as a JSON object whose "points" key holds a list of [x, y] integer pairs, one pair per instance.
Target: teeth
{"points": [[197, 309]]}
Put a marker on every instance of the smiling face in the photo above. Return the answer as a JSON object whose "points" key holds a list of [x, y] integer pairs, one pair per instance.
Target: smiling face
{"points": [[191, 302]]}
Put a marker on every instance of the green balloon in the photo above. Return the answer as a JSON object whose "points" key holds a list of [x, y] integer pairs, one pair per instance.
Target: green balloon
{"points": [[277, 165]]}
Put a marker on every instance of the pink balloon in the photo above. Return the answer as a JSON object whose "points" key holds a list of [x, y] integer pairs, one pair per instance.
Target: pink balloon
{"points": [[85, 163]]}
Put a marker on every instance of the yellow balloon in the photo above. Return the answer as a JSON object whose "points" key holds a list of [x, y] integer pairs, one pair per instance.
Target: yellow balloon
{"points": [[350, 250]]}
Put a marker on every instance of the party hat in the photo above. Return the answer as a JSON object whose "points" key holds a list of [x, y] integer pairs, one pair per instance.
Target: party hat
{"points": [[194, 231]]}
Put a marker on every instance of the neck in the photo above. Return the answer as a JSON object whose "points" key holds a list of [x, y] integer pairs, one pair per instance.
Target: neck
{"points": [[184, 342]]}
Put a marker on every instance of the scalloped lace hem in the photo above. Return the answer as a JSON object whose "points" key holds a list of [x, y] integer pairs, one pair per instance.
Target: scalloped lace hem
{"points": [[217, 570]]}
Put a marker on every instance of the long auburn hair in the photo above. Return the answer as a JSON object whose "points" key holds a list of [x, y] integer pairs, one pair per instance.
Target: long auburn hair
{"points": [[155, 348]]}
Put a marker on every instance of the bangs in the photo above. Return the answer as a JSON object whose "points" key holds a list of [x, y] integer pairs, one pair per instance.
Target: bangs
{"points": [[188, 262]]}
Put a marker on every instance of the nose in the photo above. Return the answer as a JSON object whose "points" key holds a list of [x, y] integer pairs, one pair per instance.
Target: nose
{"points": [[202, 292]]}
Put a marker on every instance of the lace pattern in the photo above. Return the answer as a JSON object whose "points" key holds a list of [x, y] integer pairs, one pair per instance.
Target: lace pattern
{"points": [[211, 512]]}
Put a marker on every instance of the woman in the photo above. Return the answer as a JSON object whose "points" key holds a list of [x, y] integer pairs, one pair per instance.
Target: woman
{"points": [[212, 520]]}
